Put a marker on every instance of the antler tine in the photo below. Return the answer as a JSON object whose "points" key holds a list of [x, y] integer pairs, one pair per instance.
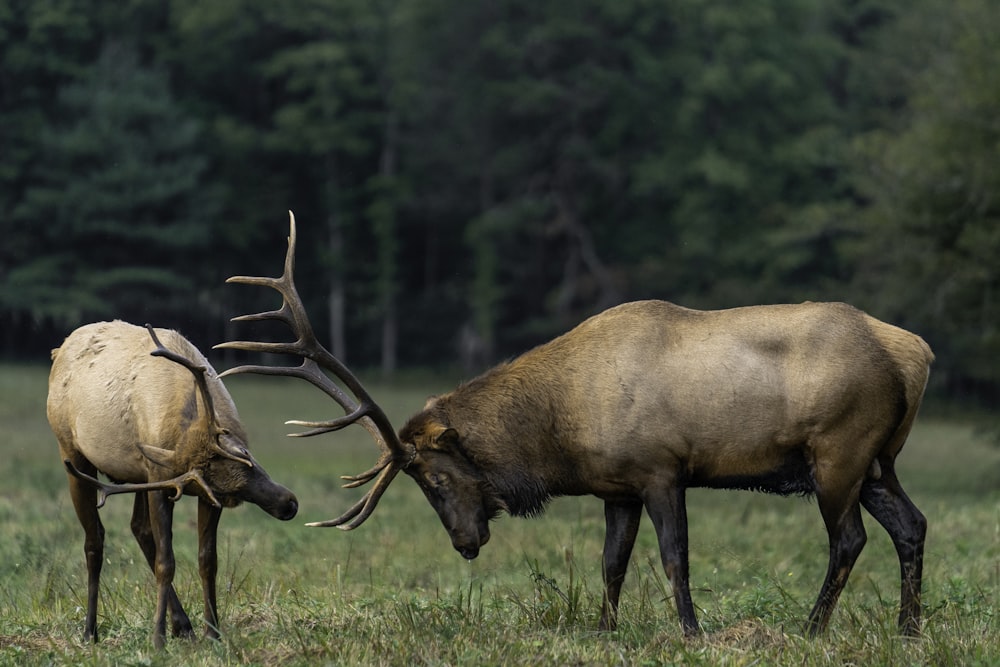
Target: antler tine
{"points": [[292, 311], [310, 371], [177, 484], [316, 359], [307, 370], [361, 510], [363, 478], [283, 314]]}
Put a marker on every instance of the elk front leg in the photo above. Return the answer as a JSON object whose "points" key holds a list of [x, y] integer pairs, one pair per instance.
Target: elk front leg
{"points": [[180, 624], [161, 512], [208, 562], [667, 508], [622, 522], [85, 503]]}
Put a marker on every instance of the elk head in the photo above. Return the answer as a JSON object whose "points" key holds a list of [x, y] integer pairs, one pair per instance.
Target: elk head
{"points": [[454, 486]]}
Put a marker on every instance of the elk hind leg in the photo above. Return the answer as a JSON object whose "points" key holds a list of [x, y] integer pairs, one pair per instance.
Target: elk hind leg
{"points": [[84, 498], [142, 530], [622, 521], [885, 499]]}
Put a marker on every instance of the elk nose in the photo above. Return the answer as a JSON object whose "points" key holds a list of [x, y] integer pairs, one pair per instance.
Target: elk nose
{"points": [[290, 510], [468, 553]]}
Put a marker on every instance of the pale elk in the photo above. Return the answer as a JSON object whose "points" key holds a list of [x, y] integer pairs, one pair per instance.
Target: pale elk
{"points": [[643, 401], [157, 421]]}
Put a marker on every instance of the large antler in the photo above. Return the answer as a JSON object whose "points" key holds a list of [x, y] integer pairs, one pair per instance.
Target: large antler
{"points": [[394, 457], [177, 484], [201, 379]]}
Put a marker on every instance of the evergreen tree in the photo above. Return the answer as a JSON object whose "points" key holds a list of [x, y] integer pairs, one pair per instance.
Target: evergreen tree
{"points": [[42, 46], [117, 208], [932, 227]]}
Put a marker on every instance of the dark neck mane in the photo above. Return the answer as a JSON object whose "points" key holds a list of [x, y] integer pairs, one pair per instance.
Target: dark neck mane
{"points": [[521, 494], [506, 422]]}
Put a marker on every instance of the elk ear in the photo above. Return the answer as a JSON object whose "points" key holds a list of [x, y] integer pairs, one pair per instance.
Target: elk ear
{"points": [[226, 447], [158, 455], [445, 438]]}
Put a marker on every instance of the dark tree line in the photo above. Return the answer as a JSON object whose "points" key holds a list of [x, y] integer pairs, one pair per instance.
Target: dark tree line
{"points": [[478, 176]]}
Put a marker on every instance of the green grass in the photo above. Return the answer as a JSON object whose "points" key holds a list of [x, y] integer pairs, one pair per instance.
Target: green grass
{"points": [[394, 592]]}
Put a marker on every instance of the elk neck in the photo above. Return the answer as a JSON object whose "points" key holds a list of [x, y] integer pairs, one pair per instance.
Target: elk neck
{"points": [[509, 429]]}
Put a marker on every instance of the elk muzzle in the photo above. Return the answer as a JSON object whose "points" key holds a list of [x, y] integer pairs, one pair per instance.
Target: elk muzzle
{"points": [[468, 539], [270, 496], [243, 479], [284, 505], [470, 550]]}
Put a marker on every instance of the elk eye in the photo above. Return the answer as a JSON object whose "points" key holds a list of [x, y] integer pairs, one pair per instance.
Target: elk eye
{"points": [[437, 478]]}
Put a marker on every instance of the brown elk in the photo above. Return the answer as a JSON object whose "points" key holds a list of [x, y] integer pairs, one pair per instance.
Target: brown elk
{"points": [[152, 425], [645, 400]]}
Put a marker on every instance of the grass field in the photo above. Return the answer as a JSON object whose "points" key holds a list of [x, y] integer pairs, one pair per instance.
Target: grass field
{"points": [[394, 592]]}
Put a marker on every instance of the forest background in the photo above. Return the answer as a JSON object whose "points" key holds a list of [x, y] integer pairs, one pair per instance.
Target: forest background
{"points": [[472, 177]]}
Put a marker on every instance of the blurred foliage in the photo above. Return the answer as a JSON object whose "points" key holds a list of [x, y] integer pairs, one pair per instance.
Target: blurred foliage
{"points": [[471, 178], [934, 212], [115, 200]]}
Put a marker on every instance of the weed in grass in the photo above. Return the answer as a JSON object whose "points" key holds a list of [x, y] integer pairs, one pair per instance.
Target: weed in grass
{"points": [[552, 607]]}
